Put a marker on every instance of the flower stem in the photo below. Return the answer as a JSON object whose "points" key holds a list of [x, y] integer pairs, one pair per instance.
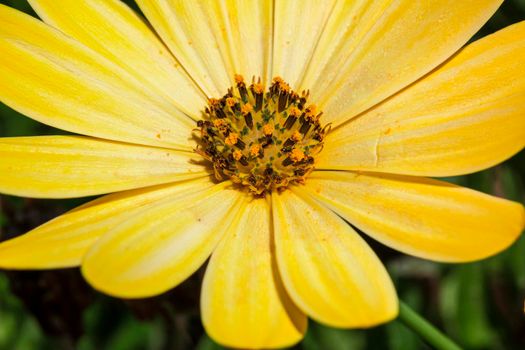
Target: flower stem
{"points": [[427, 331]]}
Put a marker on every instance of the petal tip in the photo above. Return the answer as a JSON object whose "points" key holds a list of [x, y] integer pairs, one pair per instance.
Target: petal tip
{"points": [[119, 288], [238, 342]]}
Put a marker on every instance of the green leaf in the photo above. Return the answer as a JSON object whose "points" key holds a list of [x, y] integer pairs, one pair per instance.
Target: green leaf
{"points": [[321, 337], [463, 301], [206, 343]]}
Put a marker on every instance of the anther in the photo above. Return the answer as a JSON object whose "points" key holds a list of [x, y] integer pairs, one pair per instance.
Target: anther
{"points": [[296, 136], [297, 155], [287, 161], [220, 113], [230, 102], [310, 112], [237, 155], [246, 112], [304, 128], [244, 161], [258, 91], [294, 111], [246, 109], [268, 129], [240, 144], [262, 140], [267, 141], [255, 150], [290, 121], [241, 86], [238, 79], [214, 102], [232, 139], [300, 172], [258, 88], [283, 97], [288, 145]]}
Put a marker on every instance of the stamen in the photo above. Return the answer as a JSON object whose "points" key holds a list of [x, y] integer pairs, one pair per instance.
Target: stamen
{"points": [[262, 140], [258, 88], [238, 78], [305, 127], [230, 102], [294, 111], [255, 150], [241, 86], [310, 112], [237, 155], [297, 155], [268, 129], [290, 122], [296, 136], [232, 139], [246, 109]]}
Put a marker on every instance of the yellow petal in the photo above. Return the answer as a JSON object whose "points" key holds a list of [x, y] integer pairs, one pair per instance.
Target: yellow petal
{"points": [[54, 79], [298, 26], [115, 31], [63, 241], [156, 250], [344, 30], [328, 269], [74, 166], [243, 302], [466, 116], [407, 40], [243, 33], [422, 217], [184, 27]]}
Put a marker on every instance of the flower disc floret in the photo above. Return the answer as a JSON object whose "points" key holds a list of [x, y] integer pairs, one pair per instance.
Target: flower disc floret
{"points": [[264, 140]]}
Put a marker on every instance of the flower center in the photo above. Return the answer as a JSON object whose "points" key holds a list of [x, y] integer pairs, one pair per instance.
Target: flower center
{"points": [[264, 140]]}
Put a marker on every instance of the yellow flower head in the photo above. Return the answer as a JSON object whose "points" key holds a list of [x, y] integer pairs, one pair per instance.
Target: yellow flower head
{"points": [[180, 143]]}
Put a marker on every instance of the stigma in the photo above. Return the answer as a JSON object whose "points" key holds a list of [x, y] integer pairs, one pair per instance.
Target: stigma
{"points": [[264, 140]]}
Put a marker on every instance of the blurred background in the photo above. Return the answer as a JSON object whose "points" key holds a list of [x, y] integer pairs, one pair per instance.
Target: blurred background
{"points": [[479, 305]]}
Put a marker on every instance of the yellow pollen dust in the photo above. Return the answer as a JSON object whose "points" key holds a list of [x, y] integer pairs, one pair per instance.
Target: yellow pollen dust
{"points": [[254, 150], [214, 102], [239, 79], [219, 122], [311, 112], [297, 155], [296, 136], [237, 155], [262, 139], [246, 109], [232, 139], [230, 101], [268, 129], [258, 88], [294, 111], [285, 87]]}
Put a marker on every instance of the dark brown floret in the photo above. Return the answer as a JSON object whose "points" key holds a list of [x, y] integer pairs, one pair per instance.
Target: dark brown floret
{"points": [[262, 140]]}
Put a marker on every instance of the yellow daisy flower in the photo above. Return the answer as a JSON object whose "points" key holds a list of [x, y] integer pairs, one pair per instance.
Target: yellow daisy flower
{"points": [[369, 97]]}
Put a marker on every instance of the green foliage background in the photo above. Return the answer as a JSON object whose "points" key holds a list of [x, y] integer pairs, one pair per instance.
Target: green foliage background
{"points": [[480, 305]]}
